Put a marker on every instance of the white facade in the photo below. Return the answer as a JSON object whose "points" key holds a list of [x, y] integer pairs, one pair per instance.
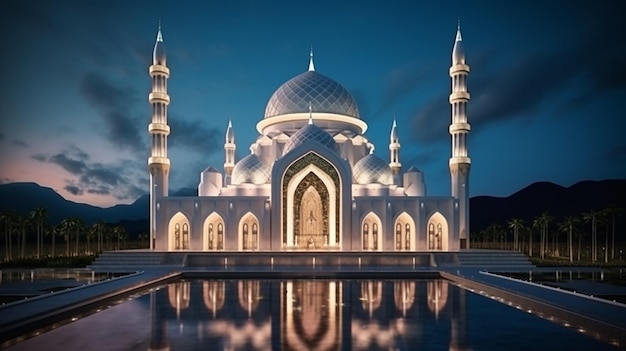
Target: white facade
{"points": [[311, 181]]}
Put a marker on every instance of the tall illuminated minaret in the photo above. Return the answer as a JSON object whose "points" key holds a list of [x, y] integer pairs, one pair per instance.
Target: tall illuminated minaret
{"points": [[459, 129], [229, 150], [158, 162], [394, 150]]}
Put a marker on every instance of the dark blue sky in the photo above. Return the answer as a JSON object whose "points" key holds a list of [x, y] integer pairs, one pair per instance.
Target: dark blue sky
{"points": [[547, 82]]}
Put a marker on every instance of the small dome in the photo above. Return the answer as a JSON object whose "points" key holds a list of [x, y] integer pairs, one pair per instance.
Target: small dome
{"points": [[372, 169], [310, 132], [251, 169], [311, 89]]}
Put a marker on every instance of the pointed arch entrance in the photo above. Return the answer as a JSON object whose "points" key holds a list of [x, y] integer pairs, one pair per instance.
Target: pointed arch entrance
{"points": [[311, 205], [371, 233], [178, 232], [213, 233], [404, 233], [249, 232], [437, 230]]}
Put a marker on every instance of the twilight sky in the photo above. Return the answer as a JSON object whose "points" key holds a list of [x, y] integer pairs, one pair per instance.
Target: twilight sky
{"points": [[547, 79]]}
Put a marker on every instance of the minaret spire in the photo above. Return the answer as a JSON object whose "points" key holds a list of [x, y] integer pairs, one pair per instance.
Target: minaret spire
{"points": [[229, 149], [394, 149], [158, 162], [460, 161], [311, 65]]}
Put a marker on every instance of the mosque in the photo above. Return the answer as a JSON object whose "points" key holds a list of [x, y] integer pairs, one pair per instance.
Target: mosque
{"points": [[311, 181]]}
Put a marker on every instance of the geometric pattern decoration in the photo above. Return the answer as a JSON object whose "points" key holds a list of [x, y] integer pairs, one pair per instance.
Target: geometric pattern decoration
{"points": [[311, 132], [322, 93], [251, 169], [372, 169]]}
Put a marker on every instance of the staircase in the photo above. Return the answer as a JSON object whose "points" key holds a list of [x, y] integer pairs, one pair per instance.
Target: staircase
{"points": [[495, 260], [126, 261]]}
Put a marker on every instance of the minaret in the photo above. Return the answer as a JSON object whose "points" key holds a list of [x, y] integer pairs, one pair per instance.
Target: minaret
{"points": [[229, 150], [158, 162], [394, 150], [459, 129]]}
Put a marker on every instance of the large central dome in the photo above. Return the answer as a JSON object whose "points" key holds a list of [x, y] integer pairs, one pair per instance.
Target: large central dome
{"points": [[322, 93]]}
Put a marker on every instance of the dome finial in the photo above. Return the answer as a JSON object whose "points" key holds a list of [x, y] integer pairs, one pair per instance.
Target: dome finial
{"points": [[159, 35], [310, 113], [458, 30], [311, 65]]}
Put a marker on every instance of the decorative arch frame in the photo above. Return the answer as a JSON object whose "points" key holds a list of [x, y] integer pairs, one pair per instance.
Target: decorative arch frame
{"points": [[371, 232], [437, 233], [311, 168], [178, 232], [213, 233], [248, 232], [404, 233]]}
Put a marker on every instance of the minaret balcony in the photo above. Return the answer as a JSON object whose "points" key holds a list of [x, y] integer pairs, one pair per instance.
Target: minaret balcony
{"points": [[459, 95], [460, 159], [459, 128], [159, 128], [158, 96], [459, 68], [158, 160], [159, 70]]}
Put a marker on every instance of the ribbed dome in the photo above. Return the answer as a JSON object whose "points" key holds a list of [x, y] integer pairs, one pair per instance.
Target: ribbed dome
{"points": [[251, 169], [372, 169], [310, 132], [322, 93]]}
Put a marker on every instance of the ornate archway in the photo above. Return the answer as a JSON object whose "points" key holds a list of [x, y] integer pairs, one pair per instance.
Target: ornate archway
{"points": [[248, 233], [404, 233], [178, 232], [371, 233], [311, 205], [213, 233], [437, 231]]}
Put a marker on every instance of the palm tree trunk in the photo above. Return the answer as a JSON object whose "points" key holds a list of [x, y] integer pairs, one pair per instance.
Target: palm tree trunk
{"points": [[606, 244], [613, 240], [580, 242], [569, 243], [53, 241], [530, 243], [67, 245], [77, 239], [23, 242]]}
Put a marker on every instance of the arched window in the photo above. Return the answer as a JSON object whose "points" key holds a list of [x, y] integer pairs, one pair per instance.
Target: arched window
{"points": [[255, 235], [245, 236], [210, 236], [439, 235], [185, 236], [177, 236], [366, 230], [398, 236], [407, 236], [431, 236], [375, 236], [220, 236]]}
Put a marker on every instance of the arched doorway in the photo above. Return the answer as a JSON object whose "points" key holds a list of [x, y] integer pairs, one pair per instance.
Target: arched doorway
{"points": [[249, 233], [404, 233], [311, 205], [437, 229], [371, 233], [178, 232], [213, 238]]}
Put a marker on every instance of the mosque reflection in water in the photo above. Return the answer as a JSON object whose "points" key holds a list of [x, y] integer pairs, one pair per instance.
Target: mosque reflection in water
{"points": [[308, 315]]}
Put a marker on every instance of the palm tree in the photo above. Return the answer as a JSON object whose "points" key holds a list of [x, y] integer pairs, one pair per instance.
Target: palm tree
{"points": [[78, 226], [118, 233], [39, 216], [568, 226], [538, 224], [23, 225], [100, 228], [66, 228], [613, 212], [53, 231], [592, 216], [142, 237], [8, 219], [516, 224]]}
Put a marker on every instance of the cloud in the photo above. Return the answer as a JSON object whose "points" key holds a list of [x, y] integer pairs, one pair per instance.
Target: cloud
{"points": [[74, 166], [19, 143], [194, 135], [115, 104], [118, 179], [401, 82], [1, 136], [73, 189]]}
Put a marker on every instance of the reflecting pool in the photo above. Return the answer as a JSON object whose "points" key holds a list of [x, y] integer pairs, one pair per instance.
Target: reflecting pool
{"points": [[311, 315]]}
